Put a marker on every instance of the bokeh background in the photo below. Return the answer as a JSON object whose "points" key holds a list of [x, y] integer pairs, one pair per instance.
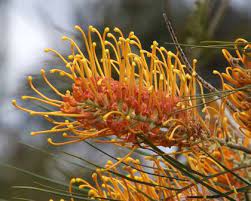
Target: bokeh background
{"points": [[27, 27]]}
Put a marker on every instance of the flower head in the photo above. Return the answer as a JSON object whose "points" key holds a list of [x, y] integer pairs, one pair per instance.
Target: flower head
{"points": [[119, 89], [217, 168], [237, 81], [159, 181]]}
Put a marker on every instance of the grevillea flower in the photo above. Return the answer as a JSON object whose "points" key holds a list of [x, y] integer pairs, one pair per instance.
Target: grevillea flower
{"points": [[159, 181], [121, 90], [221, 179], [237, 80]]}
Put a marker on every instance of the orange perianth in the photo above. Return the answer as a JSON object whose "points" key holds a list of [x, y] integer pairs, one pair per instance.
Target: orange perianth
{"points": [[126, 116]]}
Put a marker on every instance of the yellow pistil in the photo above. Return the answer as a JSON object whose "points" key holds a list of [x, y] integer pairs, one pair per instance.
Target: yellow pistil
{"points": [[50, 85], [173, 131], [113, 112], [29, 78], [121, 160], [58, 54], [49, 140], [40, 100], [61, 73], [135, 186]]}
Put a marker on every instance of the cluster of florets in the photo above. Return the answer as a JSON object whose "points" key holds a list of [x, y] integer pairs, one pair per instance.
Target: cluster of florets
{"points": [[124, 93]]}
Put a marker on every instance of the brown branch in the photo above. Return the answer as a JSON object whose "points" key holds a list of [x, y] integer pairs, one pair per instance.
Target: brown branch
{"points": [[233, 146], [184, 59]]}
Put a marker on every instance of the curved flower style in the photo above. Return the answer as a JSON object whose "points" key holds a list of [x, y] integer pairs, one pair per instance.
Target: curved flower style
{"points": [[161, 182], [122, 90], [221, 179], [238, 82]]}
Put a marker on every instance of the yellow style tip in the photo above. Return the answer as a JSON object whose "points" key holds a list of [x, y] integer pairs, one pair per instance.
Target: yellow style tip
{"points": [[64, 38], [162, 48], [188, 76], [49, 140], [78, 180], [131, 34], [78, 56], [109, 35], [73, 180], [46, 50], [91, 193], [29, 78], [169, 53], [70, 126], [102, 170], [121, 39], [116, 29], [68, 65], [91, 28], [155, 43], [14, 102], [42, 71], [94, 175], [77, 27], [70, 57], [109, 162], [106, 29]]}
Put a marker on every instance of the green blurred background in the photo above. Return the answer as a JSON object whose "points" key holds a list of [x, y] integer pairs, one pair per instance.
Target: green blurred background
{"points": [[27, 27]]}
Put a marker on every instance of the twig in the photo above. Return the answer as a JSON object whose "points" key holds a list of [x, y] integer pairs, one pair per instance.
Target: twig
{"points": [[234, 146], [184, 59]]}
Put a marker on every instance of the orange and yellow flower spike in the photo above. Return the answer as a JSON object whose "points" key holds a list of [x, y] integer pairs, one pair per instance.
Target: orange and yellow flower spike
{"points": [[238, 80], [138, 184], [121, 91]]}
